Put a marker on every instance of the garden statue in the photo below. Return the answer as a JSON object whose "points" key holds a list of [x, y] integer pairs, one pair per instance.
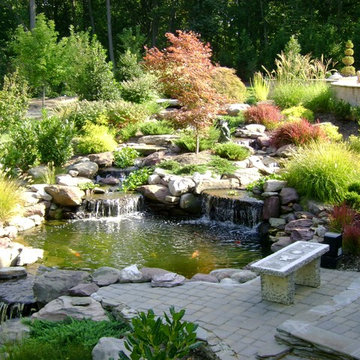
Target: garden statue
{"points": [[223, 126]]}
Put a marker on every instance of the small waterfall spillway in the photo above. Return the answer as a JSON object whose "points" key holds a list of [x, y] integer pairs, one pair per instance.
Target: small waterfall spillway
{"points": [[234, 206], [111, 205]]}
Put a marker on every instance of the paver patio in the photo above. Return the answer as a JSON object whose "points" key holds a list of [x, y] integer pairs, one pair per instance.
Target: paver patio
{"points": [[239, 323]]}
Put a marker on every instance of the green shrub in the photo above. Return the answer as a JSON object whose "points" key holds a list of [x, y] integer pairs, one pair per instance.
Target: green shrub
{"points": [[136, 178], [323, 171], [54, 140], [312, 95], [331, 131], [298, 112], [352, 199], [125, 157], [140, 89], [14, 101], [128, 131], [221, 166], [10, 197], [355, 187], [97, 139], [348, 60], [162, 127], [128, 67], [187, 140], [354, 143], [228, 84], [170, 165], [152, 338], [231, 151], [69, 339]]}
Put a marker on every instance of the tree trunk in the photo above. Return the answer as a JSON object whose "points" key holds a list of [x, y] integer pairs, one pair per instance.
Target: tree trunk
{"points": [[197, 142], [91, 15], [32, 14], [111, 48]]}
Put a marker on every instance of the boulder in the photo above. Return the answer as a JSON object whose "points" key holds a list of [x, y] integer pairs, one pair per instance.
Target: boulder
{"points": [[86, 169], [234, 109], [278, 223], [104, 159], [68, 180], [130, 274], [10, 231], [37, 209], [288, 195], [21, 223], [154, 179], [7, 273], [243, 276], [224, 273], [13, 331], [29, 198], [65, 195], [228, 281], [158, 140], [109, 348], [247, 176], [8, 256], [154, 158], [181, 186], [75, 307], [298, 224], [39, 189], [167, 280], [29, 255], [255, 128], [316, 207], [172, 199], [109, 180], [231, 183], [105, 275], [274, 185], [155, 192], [85, 289], [285, 151], [302, 235], [203, 157], [148, 273], [205, 278], [52, 284], [191, 203], [146, 150], [281, 243], [19, 291], [38, 172]]}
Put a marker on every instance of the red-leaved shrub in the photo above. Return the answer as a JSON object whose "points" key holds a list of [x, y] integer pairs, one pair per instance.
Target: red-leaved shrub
{"points": [[297, 133], [351, 239], [343, 215], [265, 114]]}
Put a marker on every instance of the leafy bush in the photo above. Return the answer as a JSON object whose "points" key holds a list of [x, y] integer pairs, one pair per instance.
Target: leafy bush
{"points": [[221, 166], [331, 131], [323, 171], [140, 89], [13, 101], [69, 339], [231, 151], [54, 140], [152, 338], [125, 157], [228, 84], [298, 112], [297, 133], [128, 131], [355, 187], [260, 87], [187, 140], [352, 199], [265, 114], [97, 139], [10, 197], [136, 178], [161, 127], [354, 143], [312, 95], [128, 67]]}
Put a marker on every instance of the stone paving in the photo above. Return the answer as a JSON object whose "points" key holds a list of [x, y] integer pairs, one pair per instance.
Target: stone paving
{"points": [[239, 323]]}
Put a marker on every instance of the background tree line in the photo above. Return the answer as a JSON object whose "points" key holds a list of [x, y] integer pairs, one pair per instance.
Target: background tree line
{"points": [[243, 34]]}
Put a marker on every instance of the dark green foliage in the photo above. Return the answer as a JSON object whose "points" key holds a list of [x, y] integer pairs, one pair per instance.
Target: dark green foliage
{"points": [[161, 127], [54, 140], [128, 67], [352, 199], [187, 140], [355, 187], [136, 179], [125, 157], [139, 89], [65, 340], [154, 339], [222, 166], [232, 151]]}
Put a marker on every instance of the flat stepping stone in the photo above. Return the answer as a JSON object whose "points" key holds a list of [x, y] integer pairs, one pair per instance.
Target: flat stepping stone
{"points": [[12, 272]]}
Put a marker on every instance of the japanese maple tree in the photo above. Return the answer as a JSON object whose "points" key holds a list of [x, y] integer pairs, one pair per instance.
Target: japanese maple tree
{"points": [[185, 70]]}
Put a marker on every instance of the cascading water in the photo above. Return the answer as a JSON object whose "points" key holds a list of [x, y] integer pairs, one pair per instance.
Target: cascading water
{"points": [[110, 205], [232, 206]]}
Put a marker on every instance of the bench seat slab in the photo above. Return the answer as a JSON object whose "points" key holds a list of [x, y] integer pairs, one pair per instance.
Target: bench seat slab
{"points": [[309, 274], [278, 289]]}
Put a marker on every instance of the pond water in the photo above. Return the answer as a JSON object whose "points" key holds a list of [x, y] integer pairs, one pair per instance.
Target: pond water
{"points": [[183, 246]]}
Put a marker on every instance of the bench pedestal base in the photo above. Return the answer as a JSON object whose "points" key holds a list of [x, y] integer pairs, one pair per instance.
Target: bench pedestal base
{"points": [[278, 289], [309, 275]]}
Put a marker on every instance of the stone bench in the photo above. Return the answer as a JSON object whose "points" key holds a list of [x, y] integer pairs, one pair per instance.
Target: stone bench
{"points": [[298, 263]]}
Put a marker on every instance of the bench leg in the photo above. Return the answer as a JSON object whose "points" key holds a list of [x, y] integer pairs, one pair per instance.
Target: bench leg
{"points": [[309, 275], [278, 289]]}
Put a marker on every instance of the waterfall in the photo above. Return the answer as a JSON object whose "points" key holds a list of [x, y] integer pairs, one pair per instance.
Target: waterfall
{"points": [[111, 205], [11, 311], [239, 208]]}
